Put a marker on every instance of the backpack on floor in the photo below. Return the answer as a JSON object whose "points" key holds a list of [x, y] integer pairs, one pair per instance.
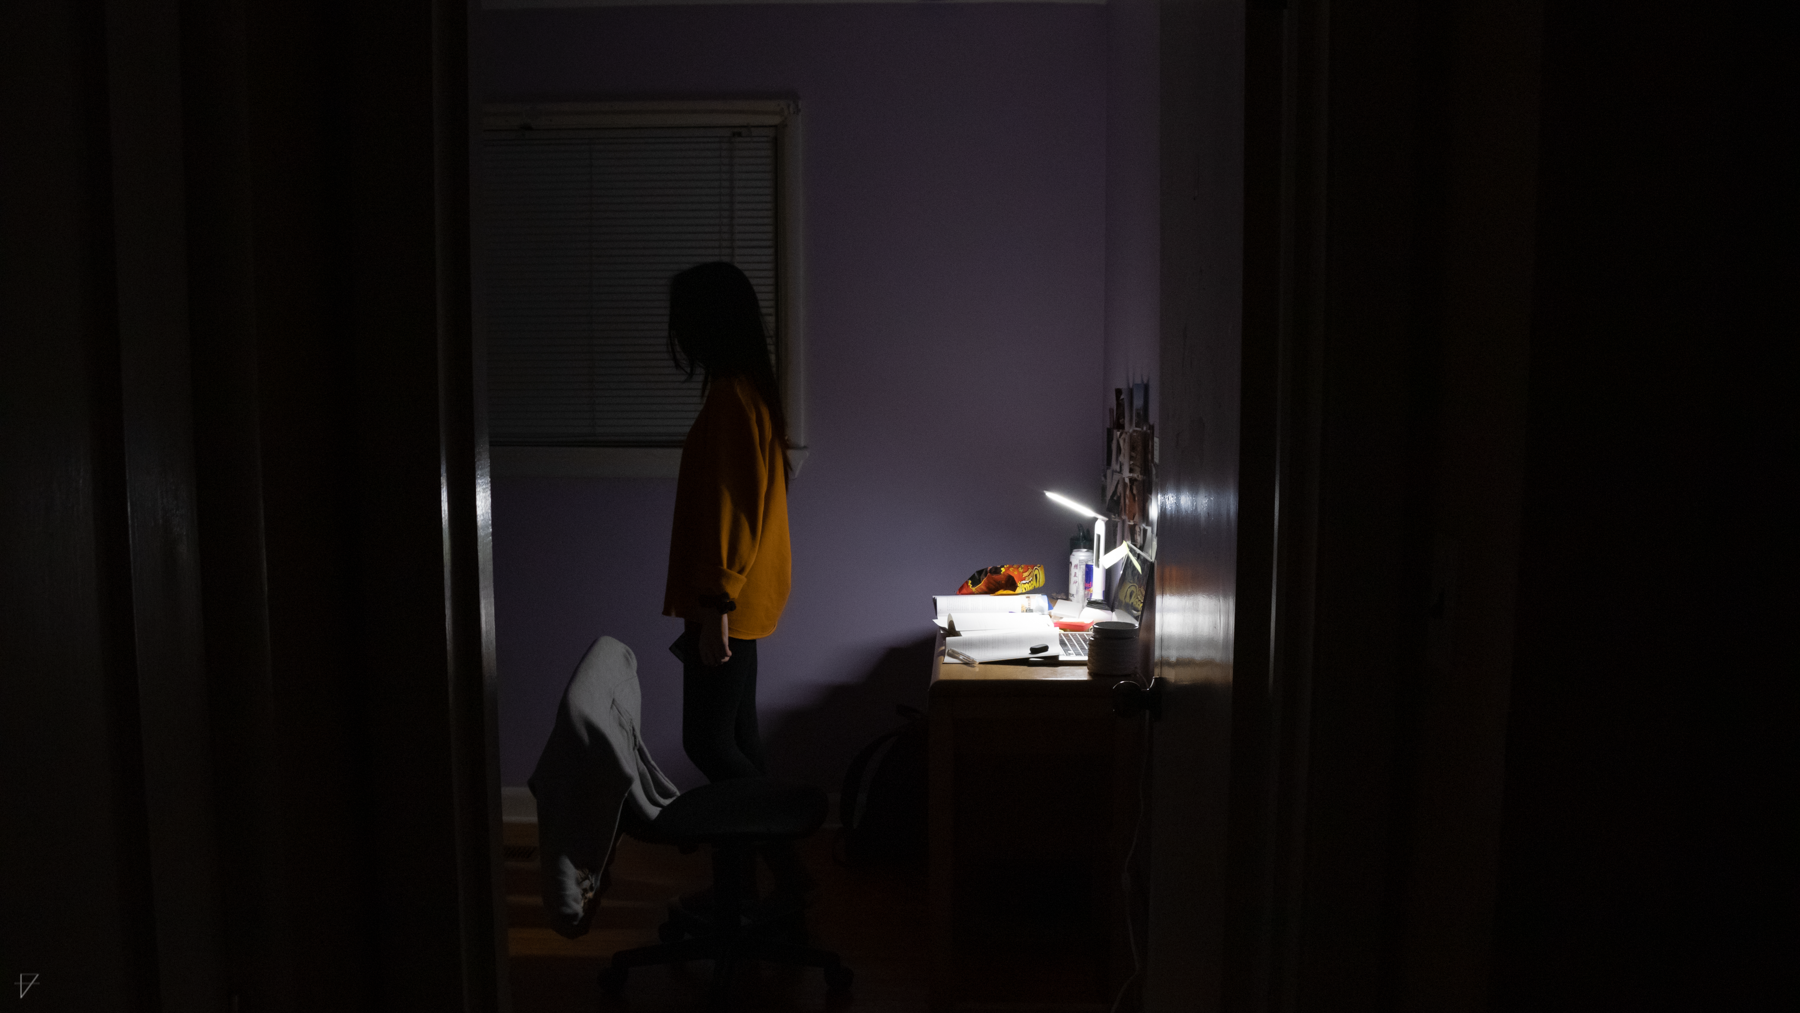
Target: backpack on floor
{"points": [[882, 805]]}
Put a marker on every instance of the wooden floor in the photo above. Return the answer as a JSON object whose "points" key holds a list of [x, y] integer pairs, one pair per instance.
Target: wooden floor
{"points": [[876, 921]]}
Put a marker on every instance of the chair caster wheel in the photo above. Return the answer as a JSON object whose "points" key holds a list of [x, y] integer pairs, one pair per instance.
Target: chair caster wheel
{"points": [[838, 978], [669, 932], [612, 979]]}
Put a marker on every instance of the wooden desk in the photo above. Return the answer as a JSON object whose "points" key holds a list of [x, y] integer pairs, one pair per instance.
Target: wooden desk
{"points": [[1033, 800]]}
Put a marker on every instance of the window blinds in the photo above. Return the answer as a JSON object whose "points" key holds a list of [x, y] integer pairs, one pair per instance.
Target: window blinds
{"points": [[584, 228]]}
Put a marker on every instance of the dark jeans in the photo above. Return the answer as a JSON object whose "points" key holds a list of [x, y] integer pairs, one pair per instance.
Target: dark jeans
{"points": [[718, 714], [719, 733]]}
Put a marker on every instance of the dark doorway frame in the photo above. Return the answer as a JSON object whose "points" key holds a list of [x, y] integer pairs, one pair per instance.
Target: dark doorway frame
{"points": [[252, 468]]}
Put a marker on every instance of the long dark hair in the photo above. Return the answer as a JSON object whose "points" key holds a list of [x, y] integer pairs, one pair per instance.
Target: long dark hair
{"points": [[716, 328]]}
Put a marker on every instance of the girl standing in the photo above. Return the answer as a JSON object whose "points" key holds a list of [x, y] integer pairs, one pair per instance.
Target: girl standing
{"points": [[729, 566]]}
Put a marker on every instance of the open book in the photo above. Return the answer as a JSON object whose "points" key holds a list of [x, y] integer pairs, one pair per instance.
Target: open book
{"points": [[970, 604]]}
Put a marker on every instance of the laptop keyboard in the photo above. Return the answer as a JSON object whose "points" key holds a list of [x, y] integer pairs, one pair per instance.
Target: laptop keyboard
{"points": [[1075, 645]]}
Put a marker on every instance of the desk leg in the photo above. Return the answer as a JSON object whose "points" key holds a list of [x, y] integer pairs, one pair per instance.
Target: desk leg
{"points": [[942, 854]]}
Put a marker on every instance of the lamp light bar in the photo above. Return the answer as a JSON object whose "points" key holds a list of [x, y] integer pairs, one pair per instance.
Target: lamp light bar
{"points": [[1072, 505]]}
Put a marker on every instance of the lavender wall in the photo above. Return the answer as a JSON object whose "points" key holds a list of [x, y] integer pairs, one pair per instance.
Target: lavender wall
{"points": [[1133, 193], [956, 174]]}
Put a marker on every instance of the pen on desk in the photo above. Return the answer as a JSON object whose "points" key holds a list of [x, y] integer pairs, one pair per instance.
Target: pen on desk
{"points": [[960, 656]]}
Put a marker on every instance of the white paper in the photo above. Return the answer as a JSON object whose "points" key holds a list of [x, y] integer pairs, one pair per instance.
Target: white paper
{"points": [[944, 604], [964, 622], [1006, 645]]}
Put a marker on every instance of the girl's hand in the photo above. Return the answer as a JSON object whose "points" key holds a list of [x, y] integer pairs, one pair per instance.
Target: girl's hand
{"points": [[715, 637]]}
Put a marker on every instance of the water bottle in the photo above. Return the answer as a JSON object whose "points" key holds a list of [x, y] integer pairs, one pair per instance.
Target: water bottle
{"points": [[1081, 574]]}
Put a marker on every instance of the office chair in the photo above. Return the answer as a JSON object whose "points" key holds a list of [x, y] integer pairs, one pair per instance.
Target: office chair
{"points": [[735, 818], [595, 779]]}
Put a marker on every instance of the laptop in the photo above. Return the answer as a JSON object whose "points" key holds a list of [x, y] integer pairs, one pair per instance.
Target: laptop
{"points": [[1126, 596]]}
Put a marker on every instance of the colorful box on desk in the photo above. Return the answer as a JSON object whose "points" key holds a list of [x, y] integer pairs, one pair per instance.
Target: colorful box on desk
{"points": [[1018, 578]]}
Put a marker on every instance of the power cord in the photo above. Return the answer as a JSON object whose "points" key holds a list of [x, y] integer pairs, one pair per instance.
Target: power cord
{"points": [[1125, 880]]}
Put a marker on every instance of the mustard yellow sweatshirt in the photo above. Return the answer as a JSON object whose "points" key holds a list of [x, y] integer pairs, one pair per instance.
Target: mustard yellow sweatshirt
{"points": [[731, 525]]}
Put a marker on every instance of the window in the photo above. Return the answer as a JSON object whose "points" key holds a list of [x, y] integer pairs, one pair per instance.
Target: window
{"points": [[587, 211]]}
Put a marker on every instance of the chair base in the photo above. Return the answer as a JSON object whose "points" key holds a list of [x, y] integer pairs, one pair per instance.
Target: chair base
{"points": [[683, 923], [725, 937]]}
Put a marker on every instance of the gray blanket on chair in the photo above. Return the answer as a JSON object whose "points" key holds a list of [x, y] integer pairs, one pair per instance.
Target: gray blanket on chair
{"points": [[594, 765]]}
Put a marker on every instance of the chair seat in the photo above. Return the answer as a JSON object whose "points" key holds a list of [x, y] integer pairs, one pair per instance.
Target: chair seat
{"points": [[745, 810]]}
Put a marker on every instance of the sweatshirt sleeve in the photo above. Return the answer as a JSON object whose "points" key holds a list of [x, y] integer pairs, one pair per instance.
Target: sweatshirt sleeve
{"points": [[728, 485]]}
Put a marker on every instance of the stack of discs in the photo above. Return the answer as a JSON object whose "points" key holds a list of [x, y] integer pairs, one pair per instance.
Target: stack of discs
{"points": [[1113, 650]]}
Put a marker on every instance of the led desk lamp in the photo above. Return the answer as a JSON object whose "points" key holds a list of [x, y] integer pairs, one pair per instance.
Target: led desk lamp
{"points": [[1102, 559]]}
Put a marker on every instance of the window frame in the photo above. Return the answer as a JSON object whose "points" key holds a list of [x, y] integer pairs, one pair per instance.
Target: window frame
{"points": [[783, 115]]}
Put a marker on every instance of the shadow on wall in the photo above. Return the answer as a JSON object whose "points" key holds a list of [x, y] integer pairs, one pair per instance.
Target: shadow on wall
{"points": [[817, 743]]}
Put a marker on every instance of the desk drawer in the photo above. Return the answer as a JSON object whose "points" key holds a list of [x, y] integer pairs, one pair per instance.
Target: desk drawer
{"points": [[1032, 796]]}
